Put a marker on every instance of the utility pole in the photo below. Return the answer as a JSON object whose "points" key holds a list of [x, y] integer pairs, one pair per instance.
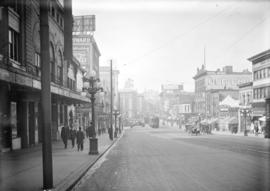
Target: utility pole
{"points": [[46, 96], [111, 114]]}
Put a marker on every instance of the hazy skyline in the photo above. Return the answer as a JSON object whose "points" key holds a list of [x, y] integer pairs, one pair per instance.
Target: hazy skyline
{"points": [[156, 42]]}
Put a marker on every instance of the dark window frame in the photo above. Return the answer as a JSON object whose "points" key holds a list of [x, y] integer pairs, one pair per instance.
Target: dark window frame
{"points": [[14, 45]]}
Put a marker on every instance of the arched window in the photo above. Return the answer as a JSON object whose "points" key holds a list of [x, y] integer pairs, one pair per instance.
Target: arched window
{"points": [[52, 62], [60, 68]]}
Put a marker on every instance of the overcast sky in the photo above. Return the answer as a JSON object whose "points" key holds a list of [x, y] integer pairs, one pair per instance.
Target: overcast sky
{"points": [[162, 41]]}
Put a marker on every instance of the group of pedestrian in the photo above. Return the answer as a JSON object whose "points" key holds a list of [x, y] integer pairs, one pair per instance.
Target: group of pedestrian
{"points": [[72, 134]]}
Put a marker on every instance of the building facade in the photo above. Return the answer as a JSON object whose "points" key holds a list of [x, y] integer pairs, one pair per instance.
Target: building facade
{"points": [[129, 104], [207, 81], [261, 82], [169, 96], [20, 73], [105, 80]]}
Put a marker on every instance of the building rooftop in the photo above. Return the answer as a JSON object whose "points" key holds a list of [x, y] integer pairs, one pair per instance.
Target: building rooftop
{"points": [[261, 56], [226, 70]]}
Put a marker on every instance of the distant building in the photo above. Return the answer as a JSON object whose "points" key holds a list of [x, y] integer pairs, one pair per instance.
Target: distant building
{"points": [[207, 81], [169, 96], [105, 80], [151, 103], [261, 82], [129, 84], [129, 103]]}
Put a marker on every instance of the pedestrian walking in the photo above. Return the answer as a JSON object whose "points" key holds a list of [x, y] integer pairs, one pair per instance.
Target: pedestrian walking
{"points": [[256, 128], [65, 135], [72, 136], [80, 138]]}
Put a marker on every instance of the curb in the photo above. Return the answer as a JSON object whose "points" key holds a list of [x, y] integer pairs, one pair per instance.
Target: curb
{"points": [[69, 186], [238, 135]]}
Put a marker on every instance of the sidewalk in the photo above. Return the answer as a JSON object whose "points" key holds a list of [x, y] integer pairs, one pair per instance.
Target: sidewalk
{"points": [[22, 169], [237, 134]]}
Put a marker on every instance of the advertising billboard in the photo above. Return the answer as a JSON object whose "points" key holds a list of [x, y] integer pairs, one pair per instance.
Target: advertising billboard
{"points": [[84, 24]]}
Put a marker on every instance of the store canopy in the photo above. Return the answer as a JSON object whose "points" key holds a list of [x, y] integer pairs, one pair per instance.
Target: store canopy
{"points": [[229, 102], [263, 118]]}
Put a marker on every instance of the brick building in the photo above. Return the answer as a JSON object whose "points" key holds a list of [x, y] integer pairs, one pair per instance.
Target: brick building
{"points": [[20, 72], [208, 81]]}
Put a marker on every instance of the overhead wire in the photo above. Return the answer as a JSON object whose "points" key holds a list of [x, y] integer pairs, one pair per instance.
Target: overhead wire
{"points": [[195, 27]]}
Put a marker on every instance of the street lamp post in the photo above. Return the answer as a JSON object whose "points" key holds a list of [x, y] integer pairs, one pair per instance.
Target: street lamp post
{"points": [[90, 85], [245, 112], [116, 113]]}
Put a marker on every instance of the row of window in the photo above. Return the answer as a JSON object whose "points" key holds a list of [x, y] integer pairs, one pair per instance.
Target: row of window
{"points": [[245, 98], [14, 54], [261, 93], [227, 82], [71, 84], [56, 14], [261, 74]]}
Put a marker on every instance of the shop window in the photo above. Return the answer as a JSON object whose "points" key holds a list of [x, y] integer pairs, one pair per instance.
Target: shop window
{"points": [[13, 44]]}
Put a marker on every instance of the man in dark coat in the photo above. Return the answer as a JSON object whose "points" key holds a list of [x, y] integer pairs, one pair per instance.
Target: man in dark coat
{"points": [[72, 136], [80, 138], [65, 135]]}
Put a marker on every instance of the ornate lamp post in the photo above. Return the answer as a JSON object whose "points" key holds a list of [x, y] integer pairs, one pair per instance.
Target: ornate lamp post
{"points": [[116, 113], [91, 86], [245, 112]]}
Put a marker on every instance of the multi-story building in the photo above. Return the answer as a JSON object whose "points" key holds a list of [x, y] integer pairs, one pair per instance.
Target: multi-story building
{"points": [[129, 103], [261, 82], [86, 51], [207, 81], [169, 96], [105, 80], [20, 72], [151, 103]]}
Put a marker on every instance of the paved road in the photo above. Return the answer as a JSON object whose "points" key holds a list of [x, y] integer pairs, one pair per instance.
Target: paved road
{"points": [[148, 159]]}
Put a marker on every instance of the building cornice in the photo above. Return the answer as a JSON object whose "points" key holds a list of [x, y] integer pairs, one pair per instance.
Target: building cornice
{"points": [[258, 57], [247, 84]]}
